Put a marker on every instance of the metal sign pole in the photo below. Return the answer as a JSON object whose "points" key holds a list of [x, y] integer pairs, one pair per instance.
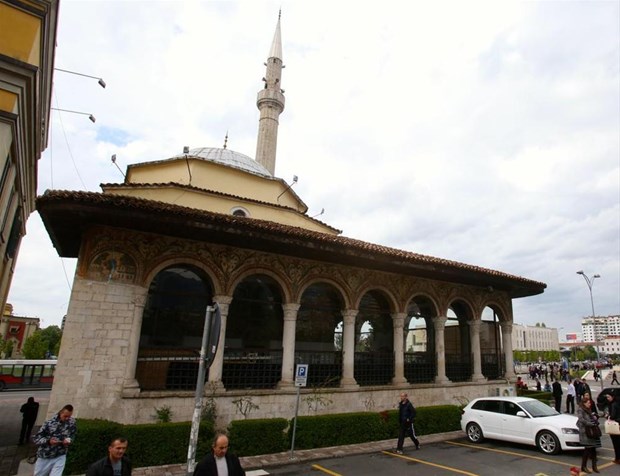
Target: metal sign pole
{"points": [[295, 423], [210, 334]]}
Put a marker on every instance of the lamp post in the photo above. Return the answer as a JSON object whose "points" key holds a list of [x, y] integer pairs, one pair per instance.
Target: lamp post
{"points": [[90, 116], [590, 283]]}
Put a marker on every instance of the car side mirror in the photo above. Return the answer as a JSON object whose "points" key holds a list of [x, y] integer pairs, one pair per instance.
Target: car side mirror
{"points": [[522, 414]]}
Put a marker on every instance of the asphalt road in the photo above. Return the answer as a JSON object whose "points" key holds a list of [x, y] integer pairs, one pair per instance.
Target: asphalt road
{"points": [[11, 418]]}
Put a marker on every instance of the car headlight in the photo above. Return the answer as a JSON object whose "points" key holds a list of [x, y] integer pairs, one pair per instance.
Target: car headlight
{"points": [[570, 431]]}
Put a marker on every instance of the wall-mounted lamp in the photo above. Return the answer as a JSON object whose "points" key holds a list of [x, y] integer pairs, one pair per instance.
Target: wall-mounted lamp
{"points": [[99, 80], [90, 116]]}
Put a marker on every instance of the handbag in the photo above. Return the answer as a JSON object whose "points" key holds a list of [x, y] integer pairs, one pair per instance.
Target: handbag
{"points": [[612, 427], [593, 431]]}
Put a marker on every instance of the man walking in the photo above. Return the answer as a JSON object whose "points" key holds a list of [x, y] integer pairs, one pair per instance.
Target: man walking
{"points": [[115, 464], [219, 462], [406, 417], [570, 398], [53, 440], [557, 395], [614, 378], [30, 411]]}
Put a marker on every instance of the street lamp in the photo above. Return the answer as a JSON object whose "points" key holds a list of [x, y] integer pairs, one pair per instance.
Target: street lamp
{"points": [[90, 116], [590, 283]]}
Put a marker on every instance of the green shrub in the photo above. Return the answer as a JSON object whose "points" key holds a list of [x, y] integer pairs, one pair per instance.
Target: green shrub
{"points": [[339, 429], [149, 444], [258, 437]]}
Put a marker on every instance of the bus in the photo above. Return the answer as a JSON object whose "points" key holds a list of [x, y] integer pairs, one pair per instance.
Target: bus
{"points": [[26, 374]]}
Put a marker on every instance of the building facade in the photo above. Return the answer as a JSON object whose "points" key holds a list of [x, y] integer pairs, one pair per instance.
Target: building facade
{"points": [[16, 329], [214, 229], [597, 328], [27, 46], [535, 338]]}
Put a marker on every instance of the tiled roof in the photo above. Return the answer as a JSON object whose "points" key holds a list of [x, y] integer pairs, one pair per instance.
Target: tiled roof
{"points": [[301, 237], [212, 192]]}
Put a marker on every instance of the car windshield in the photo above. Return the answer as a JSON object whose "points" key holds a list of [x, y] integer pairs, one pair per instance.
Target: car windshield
{"points": [[538, 409]]}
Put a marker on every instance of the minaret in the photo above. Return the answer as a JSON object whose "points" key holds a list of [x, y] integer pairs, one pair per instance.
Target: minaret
{"points": [[270, 103]]}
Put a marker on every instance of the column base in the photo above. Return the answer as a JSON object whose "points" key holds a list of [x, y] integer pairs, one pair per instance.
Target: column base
{"points": [[285, 385], [349, 384], [214, 387], [399, 381], [478, 378], [131, 388], [442, 380]]}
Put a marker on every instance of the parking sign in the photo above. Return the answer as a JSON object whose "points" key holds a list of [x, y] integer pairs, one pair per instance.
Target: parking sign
{"points": [[301, 375]]}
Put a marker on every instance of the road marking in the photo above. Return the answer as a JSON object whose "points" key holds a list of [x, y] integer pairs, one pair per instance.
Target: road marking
{"points": [[256, 472], [428, 463], [512, 453], [325, 470]]}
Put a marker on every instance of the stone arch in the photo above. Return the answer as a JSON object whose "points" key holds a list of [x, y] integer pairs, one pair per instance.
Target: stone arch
{"points": [[419, 339], [457, 342], [254, 328], [374, 338], [172, 326], [318, 336], [150, 273], [393, 303], [245, 272], [336, 284], [492, 357]]}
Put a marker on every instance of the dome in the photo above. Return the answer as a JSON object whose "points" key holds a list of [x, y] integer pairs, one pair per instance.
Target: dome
{"points": [[229, 158]]}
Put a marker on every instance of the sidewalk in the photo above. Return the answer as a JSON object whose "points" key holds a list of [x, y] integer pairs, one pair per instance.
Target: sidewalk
{"points": [[252, 464]]}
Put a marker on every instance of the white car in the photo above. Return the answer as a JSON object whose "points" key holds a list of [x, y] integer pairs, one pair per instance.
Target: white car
{"points": [[520, 420]]}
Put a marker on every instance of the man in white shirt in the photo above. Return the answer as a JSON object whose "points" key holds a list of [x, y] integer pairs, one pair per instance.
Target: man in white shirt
{"points": [[570, 397]]}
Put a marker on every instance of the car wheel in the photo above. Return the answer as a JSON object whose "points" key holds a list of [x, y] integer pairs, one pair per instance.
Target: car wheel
{"points": [[2, 385], [474, 433], [548, 443]]}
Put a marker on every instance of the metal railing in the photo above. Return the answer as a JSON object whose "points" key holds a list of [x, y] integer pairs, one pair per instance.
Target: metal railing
{"points": [[420, 367], [373, 368]]}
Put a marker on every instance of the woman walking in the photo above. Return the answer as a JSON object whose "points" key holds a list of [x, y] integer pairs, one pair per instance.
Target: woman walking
{"points": [[589, 433], [613, 409]]}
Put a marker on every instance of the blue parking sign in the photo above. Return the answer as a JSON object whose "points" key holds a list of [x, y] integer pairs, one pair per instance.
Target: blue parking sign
{"points": [[301, 375]]}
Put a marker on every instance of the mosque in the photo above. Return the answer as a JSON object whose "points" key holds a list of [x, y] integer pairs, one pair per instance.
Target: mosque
{"points": [[213, 225]]}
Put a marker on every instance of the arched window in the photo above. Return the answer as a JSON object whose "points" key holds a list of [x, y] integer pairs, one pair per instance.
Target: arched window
{"points": [[253, 347], [172, 326], [318, 339]]}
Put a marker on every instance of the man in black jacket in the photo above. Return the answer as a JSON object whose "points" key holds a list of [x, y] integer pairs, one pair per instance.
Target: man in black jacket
{"points": [[557, 395], [406, 416], [219, 461], [29, 411], [115, 464]]}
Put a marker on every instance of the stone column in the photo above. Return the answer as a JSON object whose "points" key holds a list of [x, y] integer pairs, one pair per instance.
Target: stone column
{"points": [[131, 387], [507, 345], [215, 371], [288, 345], [398, 320], [439, 324], [474, 336], [348, 349]]}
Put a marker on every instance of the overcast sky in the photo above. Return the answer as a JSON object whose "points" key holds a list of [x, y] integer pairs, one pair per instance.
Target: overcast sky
{"points": [[481, 132]]}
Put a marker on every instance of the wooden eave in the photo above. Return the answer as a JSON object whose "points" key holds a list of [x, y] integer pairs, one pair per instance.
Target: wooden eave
{"points": [[68, 214]]}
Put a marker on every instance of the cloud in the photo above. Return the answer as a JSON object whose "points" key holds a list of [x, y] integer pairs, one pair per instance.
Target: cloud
{"points": [[481, 132]]}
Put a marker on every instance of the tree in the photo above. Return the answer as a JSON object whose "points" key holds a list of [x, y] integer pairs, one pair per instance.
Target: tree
{"points": [[43, 343], [6, 348]]}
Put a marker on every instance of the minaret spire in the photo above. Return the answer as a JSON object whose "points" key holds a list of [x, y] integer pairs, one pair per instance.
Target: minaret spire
{"points": [[270, 103]]}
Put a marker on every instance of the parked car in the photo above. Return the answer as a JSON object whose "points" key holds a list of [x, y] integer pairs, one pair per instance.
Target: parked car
{"points": [[520, 420], [601, 401]]}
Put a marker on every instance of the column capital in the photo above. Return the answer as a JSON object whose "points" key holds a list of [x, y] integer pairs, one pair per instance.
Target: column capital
{"points": [[475, 325], [222, 299], [290, 311], [506, 327], [349, 315], [398, 319], [439, 322]]}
